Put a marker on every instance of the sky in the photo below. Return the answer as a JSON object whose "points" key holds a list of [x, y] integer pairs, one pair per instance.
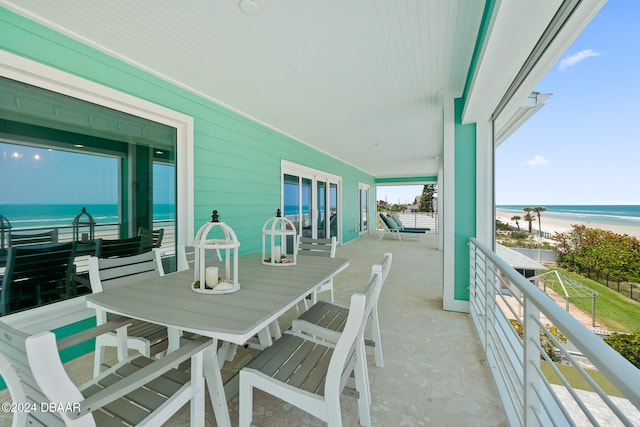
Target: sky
{"points": [[87, 179], [582, 147], [398, 194]]}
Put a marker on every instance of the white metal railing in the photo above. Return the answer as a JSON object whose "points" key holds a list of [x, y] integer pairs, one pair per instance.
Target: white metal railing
{"points": [[533, 388]]}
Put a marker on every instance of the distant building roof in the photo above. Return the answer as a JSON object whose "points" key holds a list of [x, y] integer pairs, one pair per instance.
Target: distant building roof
{"points": [[517, 260]]}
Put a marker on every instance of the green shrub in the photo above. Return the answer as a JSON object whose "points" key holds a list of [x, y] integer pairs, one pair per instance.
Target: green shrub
{"points": [[520, 235], [628, 345], [545, 341]]}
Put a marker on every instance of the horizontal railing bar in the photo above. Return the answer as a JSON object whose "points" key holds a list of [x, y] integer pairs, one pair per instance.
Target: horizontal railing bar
{"points": [[499, 292]]}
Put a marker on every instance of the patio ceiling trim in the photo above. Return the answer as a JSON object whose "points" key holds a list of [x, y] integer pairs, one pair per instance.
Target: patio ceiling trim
{"points": [[407, 180]]}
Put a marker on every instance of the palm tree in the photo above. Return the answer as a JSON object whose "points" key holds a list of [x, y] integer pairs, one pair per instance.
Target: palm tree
{"points": [[516, 218], [529, 218], [538, 210]]}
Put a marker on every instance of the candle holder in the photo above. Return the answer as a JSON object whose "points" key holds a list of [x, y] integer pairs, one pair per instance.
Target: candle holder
{"points": [[83, 227], [275, 233], [219, 237]]}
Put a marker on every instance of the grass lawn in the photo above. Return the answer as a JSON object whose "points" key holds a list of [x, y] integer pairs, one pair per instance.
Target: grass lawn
{"points": [[614, 311], [576, 380]]}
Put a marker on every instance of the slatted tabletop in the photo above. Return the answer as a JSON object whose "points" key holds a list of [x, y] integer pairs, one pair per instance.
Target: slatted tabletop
{"points": [[265, 294]]}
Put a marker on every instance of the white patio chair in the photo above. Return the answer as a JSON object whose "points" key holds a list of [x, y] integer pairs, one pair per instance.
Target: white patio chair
{"points": [[319, 247], [147, 338], [137, 391], [185, 259], [311, 374], [327, 320]]}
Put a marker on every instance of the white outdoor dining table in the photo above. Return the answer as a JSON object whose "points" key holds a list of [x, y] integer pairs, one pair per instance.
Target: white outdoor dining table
{"points": [[265, 294]]}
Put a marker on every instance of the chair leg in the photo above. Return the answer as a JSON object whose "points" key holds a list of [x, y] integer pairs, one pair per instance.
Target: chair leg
{"points": [[197, 384], [245, 409], [362, 361], [375, 335], [331, 288], [334, 414], [363, 387], [98, 358]]}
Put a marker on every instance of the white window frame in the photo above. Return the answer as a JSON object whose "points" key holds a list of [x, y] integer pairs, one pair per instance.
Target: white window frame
{"points": [[362, 186], [315, 175], [36, 74]]}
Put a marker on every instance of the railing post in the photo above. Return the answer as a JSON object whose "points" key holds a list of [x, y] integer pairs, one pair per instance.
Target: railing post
{"points": [[531, 380], [489, 300]]}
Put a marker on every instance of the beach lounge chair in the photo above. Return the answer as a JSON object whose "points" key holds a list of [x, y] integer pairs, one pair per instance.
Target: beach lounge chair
{"points": [[394, 225]]}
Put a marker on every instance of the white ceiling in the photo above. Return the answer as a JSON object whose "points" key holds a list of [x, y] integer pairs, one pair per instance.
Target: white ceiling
{"points": [[359, 79]]}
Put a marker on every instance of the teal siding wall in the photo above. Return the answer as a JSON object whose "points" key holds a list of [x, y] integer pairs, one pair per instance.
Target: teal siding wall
{"points": [[465, 200], [237, 161]]}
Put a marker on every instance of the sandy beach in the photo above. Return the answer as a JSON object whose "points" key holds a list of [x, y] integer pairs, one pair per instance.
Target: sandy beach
{"points": [[552, 225]]}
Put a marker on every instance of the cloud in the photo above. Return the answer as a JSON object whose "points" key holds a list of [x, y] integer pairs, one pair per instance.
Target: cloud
{"points": [[537, 161], [572, 60]]}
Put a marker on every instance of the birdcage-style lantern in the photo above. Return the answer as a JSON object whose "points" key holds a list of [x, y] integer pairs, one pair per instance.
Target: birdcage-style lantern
{"points": [[221, 276], [83, 227], [275, 234]]}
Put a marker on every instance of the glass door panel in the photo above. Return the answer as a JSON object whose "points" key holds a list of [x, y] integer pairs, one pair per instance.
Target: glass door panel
{"points": [[291, 199], [306, 205], [322, 209], [333, 210], [364, 209]]}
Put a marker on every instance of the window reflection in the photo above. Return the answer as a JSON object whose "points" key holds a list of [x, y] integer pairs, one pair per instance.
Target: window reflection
{"points": [[119, 168]]}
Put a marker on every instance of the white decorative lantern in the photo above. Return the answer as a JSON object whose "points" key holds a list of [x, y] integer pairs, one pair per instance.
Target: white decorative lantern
{"points": [[219, 237], [274, 241]]}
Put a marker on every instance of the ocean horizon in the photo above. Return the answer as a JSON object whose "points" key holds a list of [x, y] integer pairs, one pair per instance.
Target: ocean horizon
{"points": [[625, 215], [62, 215]]}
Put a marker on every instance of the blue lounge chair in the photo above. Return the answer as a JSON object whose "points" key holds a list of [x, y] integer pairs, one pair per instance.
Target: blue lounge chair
{"points": [[394, 225]]}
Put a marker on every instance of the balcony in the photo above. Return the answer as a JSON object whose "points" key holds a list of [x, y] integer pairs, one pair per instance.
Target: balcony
{"points": [[436, 370]]}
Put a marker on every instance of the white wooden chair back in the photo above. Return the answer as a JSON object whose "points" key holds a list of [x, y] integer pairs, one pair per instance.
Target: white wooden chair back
{"points": [[23, 388], [136, 391], [186, 257], [318, 247], [372, 291], [327, 320], [386, 266], [107, 273], [345, 353], [294, 369]]}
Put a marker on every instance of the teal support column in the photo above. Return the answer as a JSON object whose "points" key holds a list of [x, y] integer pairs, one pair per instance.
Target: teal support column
{"points": [[465, 199]]}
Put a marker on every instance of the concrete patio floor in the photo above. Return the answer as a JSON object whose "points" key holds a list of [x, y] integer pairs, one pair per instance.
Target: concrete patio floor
{"points": [[433, 373]]}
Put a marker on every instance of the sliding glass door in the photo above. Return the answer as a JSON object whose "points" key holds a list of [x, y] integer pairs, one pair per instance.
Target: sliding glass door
{"points": [[311, 201], [363, 190]]}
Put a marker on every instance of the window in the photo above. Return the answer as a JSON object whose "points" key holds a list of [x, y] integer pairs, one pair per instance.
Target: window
{"points": [[310, 200], [59, 155]]}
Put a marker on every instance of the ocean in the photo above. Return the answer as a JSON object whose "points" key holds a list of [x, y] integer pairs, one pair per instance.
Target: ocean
{"points": [[52, 215], [626, 215], [49, 215]]}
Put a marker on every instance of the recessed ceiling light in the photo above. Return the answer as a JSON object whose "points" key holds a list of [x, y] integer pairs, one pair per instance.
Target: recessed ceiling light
{"points": [[78, 145], [250, 7]]}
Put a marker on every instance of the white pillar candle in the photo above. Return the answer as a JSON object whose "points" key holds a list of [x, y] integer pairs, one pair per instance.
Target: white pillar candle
{"points": [[211, 276], [276, 254]]}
